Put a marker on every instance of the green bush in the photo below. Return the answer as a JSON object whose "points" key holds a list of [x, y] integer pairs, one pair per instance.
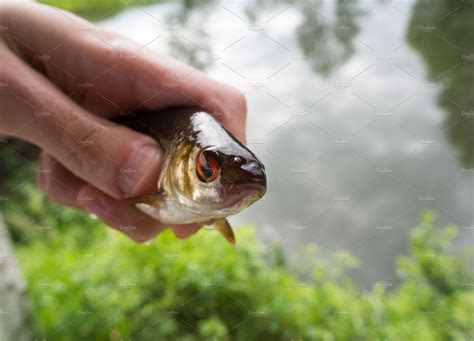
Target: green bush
{"points": [[92, 283], [97, 9]]}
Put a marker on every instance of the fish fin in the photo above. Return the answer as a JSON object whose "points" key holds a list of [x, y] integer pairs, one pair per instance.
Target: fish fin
{"points": [[151, 200], [223, 226]]}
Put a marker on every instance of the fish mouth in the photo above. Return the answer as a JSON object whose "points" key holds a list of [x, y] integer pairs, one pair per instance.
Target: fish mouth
{"points": [[253, 183], [256, 186], [244, 193], [248, 184]]}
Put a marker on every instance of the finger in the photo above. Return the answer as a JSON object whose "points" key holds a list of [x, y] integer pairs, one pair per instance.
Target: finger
{"points": [[59, 184], [185, 231], [63, 187], [179, 84], [140, 77], [119, 214], [115, 159]]}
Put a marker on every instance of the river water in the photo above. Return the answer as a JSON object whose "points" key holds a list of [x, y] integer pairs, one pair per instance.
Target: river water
{"points": [[362, 112]]}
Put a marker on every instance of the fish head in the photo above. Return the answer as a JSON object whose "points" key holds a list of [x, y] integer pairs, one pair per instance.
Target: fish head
{"points": [[219, 176], [229, 181]]}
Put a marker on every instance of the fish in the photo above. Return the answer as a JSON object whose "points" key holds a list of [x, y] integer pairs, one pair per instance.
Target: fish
{"points": [[207, 173]]}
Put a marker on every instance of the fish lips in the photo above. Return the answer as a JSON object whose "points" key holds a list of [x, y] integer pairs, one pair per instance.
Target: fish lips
{"points": [[250, 185], [243, 194]]}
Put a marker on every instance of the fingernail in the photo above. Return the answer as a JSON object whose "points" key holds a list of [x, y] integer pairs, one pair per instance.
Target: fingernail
{"points": [[137, 167]]}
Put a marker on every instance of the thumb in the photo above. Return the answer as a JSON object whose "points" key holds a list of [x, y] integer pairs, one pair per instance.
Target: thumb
{"points": [[112, 158]]}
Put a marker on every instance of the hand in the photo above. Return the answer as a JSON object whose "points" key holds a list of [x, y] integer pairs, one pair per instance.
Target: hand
{"points": [[62, 78]]}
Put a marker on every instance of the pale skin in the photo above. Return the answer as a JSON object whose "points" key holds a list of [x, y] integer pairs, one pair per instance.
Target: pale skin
{"points": [[62, 78]]}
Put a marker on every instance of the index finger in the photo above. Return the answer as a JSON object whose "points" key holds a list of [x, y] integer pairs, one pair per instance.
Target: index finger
{"points": [[120, 74], [161, 81]]}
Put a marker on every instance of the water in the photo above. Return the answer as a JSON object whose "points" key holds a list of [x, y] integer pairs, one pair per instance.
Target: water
{"points": [[362, 112]]}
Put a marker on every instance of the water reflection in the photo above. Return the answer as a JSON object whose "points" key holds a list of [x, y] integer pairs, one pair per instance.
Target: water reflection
{"points": [[352, 139], [326, 41], [337, 36], [194, 48], [326, 32], [442, 31]]}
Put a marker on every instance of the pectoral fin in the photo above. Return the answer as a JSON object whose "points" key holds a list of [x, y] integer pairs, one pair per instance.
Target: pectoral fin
{"points": [[150, 200], [148, 204], [223, 226]]}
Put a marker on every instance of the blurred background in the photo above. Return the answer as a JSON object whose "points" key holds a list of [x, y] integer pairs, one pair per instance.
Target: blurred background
{"points": [[362, 112]]}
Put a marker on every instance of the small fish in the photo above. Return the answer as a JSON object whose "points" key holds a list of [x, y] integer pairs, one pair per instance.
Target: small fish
{"points": [[207, 174]]}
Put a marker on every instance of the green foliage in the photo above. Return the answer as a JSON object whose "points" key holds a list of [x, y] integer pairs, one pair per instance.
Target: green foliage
{"points": [[87, 282], [91, 283], [27, 212], [446, 47], [97, 9]]}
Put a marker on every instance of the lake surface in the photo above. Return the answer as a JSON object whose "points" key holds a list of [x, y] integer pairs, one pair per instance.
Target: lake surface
{"points": [[362, 112]]}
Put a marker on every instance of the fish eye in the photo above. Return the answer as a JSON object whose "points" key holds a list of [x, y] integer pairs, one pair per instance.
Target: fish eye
{"points": [[207, 166]]}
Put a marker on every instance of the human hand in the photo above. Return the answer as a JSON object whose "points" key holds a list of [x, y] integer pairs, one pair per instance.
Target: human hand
{"points": [[62, 78]]}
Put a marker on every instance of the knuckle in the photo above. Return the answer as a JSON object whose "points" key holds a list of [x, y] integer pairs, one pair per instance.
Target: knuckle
{"points": [[111, 46], [85, 153], [238, 101], [83, 149], [103, 44]]}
